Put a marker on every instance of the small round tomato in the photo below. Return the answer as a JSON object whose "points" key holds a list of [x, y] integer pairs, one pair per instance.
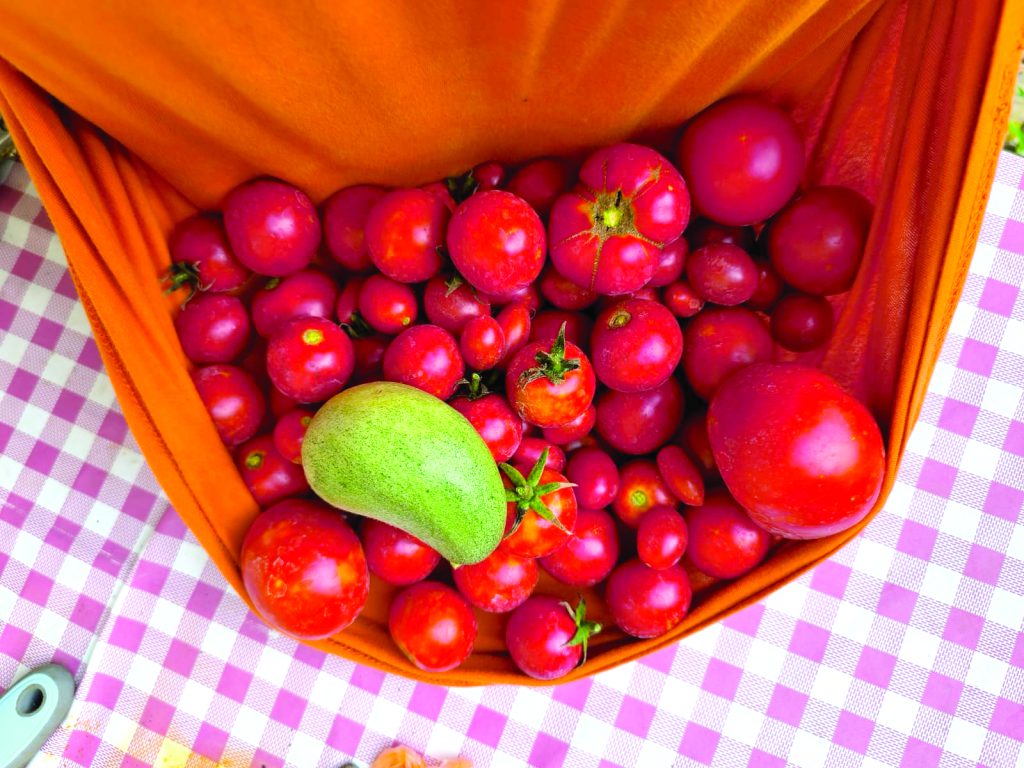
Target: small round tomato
{"points": [[289, 433], [234, 401], [578, 327], [450, 302], [590, 553], [661, 538], [213, 328], [681, 475], [645, 602], [541, 510], [386, 305], [641, 488], [703, 232], [497, 241], [202, 258], [279, 402], [547, 638], [304, 569], [563, 293], [636, 345], [769, 286], [801, 322], [515, 321], [575, 430], [681, 299], [606, 235], [267, 474], [347, 307], [495, 421], [433, 626], [528, 295], [425, 357], [310, 359], [530, 450], [344, 216], [596, 477], [693, 438], [724, 541], [550, 383], [540, 183], [395, 556], [498, 583], [440, 192], [306, 293], [640, 422], [489, 176], [482, 343], [273, 227], [722, 274], [721, 340], [403, 233], [369, 352], [671, 263]]}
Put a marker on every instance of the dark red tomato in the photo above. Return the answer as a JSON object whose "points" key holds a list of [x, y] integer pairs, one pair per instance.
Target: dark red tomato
{"points": [[233, 399], [817, 242], [606, 235], [498, 583], [724, 541], [681, 475], [769, 286], [369, 354], [801, 322], [805, 458], [546, 325], [344, 216], [289, 432], [563, 293], [395, 556], [641, 489], [489, 176], [722, 274], [304, 569], [450, 302], [348, 301], [702, 232], [540, 183], [497, 242], [495, 421], [635, 345], [280, 403], [530, 450], [721, 340], [541, 513], [515, 321], [310, 359], [661, 538], [425, 357], [306, 293], [645, 602], [550, 383], [743, 159], [273, 227], [528, 295], [547, 638], [482, 343], [590, 553], [202, 258], [403, 233], [575, 430], [671, 263], [433, 626], [386, 305], [640, 422], [596, 477], [213, 328], [439, 191], [681, 299], [693, 438], [267, 474]]}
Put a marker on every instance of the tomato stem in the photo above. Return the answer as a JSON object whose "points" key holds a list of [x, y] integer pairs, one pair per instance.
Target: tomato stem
{"points": [[527, 495], [552, 365], [584, 629]]}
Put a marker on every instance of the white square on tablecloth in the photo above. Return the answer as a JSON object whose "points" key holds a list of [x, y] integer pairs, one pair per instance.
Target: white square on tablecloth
{"points": [[1001, 199], [873, 558], [1007, 608], [921, 438], [1013, 337], [830, 686], [119, 731], [385, 717], [249, 725], [101, 519], [73, 573], [1002, 398], [444, 742], [195, 699], [58, 369], [920, 647], [963, 317], [765, 659], [51, 627], [166, 616], [12, 349], [965, 738], [960, 521], [304, 749], [273, 666], [743, 723], [940, 583], [33, 420], [529, 708], [808, 750], [591, 735], [980, 459], [986, 673], [143, 674], [853, 621], [327, 691], [653, 754], [897, 712], [218, 641], [984, 255], [190, 559]]}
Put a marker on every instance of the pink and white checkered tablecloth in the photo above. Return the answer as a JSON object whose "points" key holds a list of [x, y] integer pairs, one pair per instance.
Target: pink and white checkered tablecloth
{"points": [[904, 649]]}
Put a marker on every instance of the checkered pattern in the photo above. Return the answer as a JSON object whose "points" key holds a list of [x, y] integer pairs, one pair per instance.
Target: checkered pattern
{"points": [[904, 649]]}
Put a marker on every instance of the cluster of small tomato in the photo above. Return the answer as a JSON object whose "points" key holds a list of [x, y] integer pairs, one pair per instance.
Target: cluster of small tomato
{"points": [[575, 295]]}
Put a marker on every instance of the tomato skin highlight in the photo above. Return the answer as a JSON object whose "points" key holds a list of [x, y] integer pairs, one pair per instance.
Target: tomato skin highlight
{"points": [[590, 553], [499, 583], [433, 626], [636, 345], [233, 400], [425, 357], [273, 227], [724, 542], [550, 395], [403, 232], [268, 475], [645, 602], [395, 556]]}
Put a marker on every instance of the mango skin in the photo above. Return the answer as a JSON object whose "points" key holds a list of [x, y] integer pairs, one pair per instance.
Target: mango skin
{"points": [[394, 453]]}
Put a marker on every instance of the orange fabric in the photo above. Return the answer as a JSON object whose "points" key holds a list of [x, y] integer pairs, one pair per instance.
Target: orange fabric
{"points": [[168, 105]]}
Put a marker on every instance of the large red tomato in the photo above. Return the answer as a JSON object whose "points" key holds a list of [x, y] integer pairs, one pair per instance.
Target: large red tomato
{"points": [[802, 456]]}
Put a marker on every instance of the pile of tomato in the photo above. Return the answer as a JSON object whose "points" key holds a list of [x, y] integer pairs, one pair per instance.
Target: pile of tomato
{"points": [[580, 318]]}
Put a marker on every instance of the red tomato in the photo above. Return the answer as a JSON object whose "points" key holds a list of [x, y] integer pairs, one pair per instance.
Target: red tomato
{"points": [[289, 433], [310, 359], [306, 293], [279, 402], [541, 510], [724, 541], [344, 215], [233, 399], [530, 450], [671, 263], [515, 321], [681, 299], [498, 583], [563, 293], [805, 458], [641, 488], [347, 306], [575, 430], [304, 569], [547, 638], [433, 626], [801, 322], [722, 274], [213, 328], [769, 286], [489, 176], [607, 234], [550, 383], [596, 477], [273, 227], [693, 437], [403, 233], [201, 257], [540, 183], [636, 345], [640, 422], [645, 602], [721, 340], [546, 324], [425, 357], [527, 295], [495, 421], [267, 474], [590, 553], [681, 475], [369, 352], [450, 302], [701, 232], [661, 538], [386, 305], [482, 343], [395, 556]]}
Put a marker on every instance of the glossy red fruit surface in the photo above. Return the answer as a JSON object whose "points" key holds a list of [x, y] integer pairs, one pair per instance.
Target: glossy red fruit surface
{"points": [[499, 583], [306, 293], [403, 233], [724, 541], [547, 323], [801, 322], [562, 293], [575, 430], [433, 626], [693, 438], [387, 306], [702, 231], [515, 320], [273, 227], [721, 340], [530, 450], [550, 383], [425, 357], [641, 489], [671, 263], [596, 477], [590, 553], [450, 302], [289, 432], [547, 638], [347, 306], [769, 286], [344, 218], [395, 556], [661, 538], [645, 602], [640, 422], [233, 400], [495, 421], [540, 183], [722, 274], [541, 512], [681, 475], [635, 345], [681, 299], [482, 343], [213, 328], [202, 257], [268, 475], [310, 359]]}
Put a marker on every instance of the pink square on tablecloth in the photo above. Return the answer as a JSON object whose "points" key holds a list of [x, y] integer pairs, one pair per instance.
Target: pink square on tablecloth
{"points": [[661, 661], [896, 602], [14, 641], [984, 564], [574, 694], [234, 683], [37, 588], [113, 427], [998, 297], [127, 633], [210, 741], [1008, 719], [288, 709], [150, 577], [81, 747], [1017, 657], [1014, 442], [917, 540], [831, 578], [133, 762], [427, 700], [699, 743], [90, 480], [111, 557], [977, 356], [368, 678], [69, 404], [27, 265], [548, 752], [264, 759], [722, 679], [762, 759], [853, 732], [138, 503], [204, 600], [746, 621], [809, 641], [1004, 501], [23, 384], [63, 533], [90, 356], [105, 691], [7, 313], [87, 613], [920, 753], [937, 478], [875, 666], [787, 705], [958, 417], [157, 715], [942, 693], [66, 659], [47, 334], [1013, 236], [304, 653], [963, 628], [486, 726], [181, 657], [345, 735], [42, 457], [635, 716]]}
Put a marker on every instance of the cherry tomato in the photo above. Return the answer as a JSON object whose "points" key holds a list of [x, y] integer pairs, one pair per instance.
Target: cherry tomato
{"points": [[403, 233], [450, 302], [563, 293], [273, 227], [547, 638], [801, 322], [279, 402], [541, 510], [433, 626], [395, 556], [304, 569], [724, 541], [344, 216], [515, 322], [310, 359], [641, 488], [550, 383], [693, 438], [530, 450], [671, 263], [661, 538], [482, 343], [213, 328], [386, 305], [681, 475], [233, 399], [347, 307], [289, 433], [528, 295], [743, 159], [636, 345], [681, 299], [540, 183], [640, 422], [495, 421], [575, 430], [306, 293], [802, 456], [267, 474], [425, 357], [702, 232], [202, 258], [439, 191], [369, 352], [596, 477], [722, 274], [590, 553], [498, 583], [721, 340], [645, 602], [769, 286], [546, 325], [489, 176]]}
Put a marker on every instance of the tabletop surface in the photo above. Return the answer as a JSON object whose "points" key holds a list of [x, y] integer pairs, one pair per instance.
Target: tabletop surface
{"points": [[906, 648]]}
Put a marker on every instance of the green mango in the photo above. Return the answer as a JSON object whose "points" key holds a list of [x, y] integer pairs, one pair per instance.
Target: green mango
{"points": [[394, 453]]}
